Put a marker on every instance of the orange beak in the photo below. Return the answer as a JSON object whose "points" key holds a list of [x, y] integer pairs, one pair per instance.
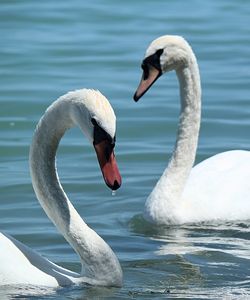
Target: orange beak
{"points": [[147, 81], [106, 158]]}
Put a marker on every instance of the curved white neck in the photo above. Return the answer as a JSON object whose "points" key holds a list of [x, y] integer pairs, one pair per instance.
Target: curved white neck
{"points": [[184, 152], [170, 186], [98, 260]]}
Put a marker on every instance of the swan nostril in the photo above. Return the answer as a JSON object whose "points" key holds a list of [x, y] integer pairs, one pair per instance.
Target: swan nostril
{"points": [[115, 186]]}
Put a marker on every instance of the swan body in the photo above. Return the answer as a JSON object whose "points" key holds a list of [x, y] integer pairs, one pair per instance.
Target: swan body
{"points": [[19, 265], [217, 188]]}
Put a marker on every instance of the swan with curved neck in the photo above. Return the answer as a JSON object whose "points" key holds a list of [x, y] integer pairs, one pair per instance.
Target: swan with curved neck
{"points": [[91, 111], [217, 188]]}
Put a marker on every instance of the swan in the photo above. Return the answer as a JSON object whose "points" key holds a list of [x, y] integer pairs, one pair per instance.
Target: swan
{"points": [[218, 187], [19, 265]]}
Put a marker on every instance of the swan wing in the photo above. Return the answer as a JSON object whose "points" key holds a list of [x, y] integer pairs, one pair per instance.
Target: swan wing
{"points": [[20, 265], [218, 188]]}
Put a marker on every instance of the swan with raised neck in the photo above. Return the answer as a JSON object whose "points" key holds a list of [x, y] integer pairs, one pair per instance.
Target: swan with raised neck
{"points": [[186, 194], [91, 111]]}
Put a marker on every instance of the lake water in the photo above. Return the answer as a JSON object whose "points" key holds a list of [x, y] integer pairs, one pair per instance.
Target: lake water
{"points": [[51, 47]]}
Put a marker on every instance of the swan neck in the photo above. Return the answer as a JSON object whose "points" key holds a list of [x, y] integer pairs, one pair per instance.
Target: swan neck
{"points": [[184, 152], [47, 136], [90, 247], [163, 202]]}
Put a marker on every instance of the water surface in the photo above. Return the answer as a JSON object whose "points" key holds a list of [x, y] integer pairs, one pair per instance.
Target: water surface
{"points": [[48, 48]]}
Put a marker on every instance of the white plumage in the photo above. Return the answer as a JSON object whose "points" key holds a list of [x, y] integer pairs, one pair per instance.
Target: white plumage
{"points": [[20, 265], [217, 188]]}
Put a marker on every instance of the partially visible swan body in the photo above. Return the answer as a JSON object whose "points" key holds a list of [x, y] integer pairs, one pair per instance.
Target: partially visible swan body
{"points": [[19, 265], [217, 188]]}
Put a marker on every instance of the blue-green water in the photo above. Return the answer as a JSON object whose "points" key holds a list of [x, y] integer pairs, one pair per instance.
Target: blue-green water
{"points": [[50, 47]]}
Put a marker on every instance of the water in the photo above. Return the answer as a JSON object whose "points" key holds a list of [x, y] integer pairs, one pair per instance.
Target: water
{"points": [[48, 48]]}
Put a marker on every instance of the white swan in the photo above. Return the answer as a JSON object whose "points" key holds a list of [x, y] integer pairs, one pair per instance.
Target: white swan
{"points": [[217, 188], [19, 265]]}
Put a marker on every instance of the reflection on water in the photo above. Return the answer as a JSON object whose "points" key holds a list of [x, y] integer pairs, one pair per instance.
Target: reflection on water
{"points": [[192, 251], [229, 237], [48, 49], [18, 292]]}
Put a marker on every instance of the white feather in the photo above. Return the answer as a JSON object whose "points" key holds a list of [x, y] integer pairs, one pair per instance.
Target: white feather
{"points": [[21, 265], [217, 188]]}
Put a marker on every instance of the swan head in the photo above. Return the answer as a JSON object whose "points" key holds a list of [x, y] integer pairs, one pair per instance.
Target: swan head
{"points": [[164, 54], [93, 113]]}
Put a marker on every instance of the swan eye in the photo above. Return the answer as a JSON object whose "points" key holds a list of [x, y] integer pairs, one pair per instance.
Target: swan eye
{"points": [[153, 60], [93, 121], [100, 134], [159, 52]]}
